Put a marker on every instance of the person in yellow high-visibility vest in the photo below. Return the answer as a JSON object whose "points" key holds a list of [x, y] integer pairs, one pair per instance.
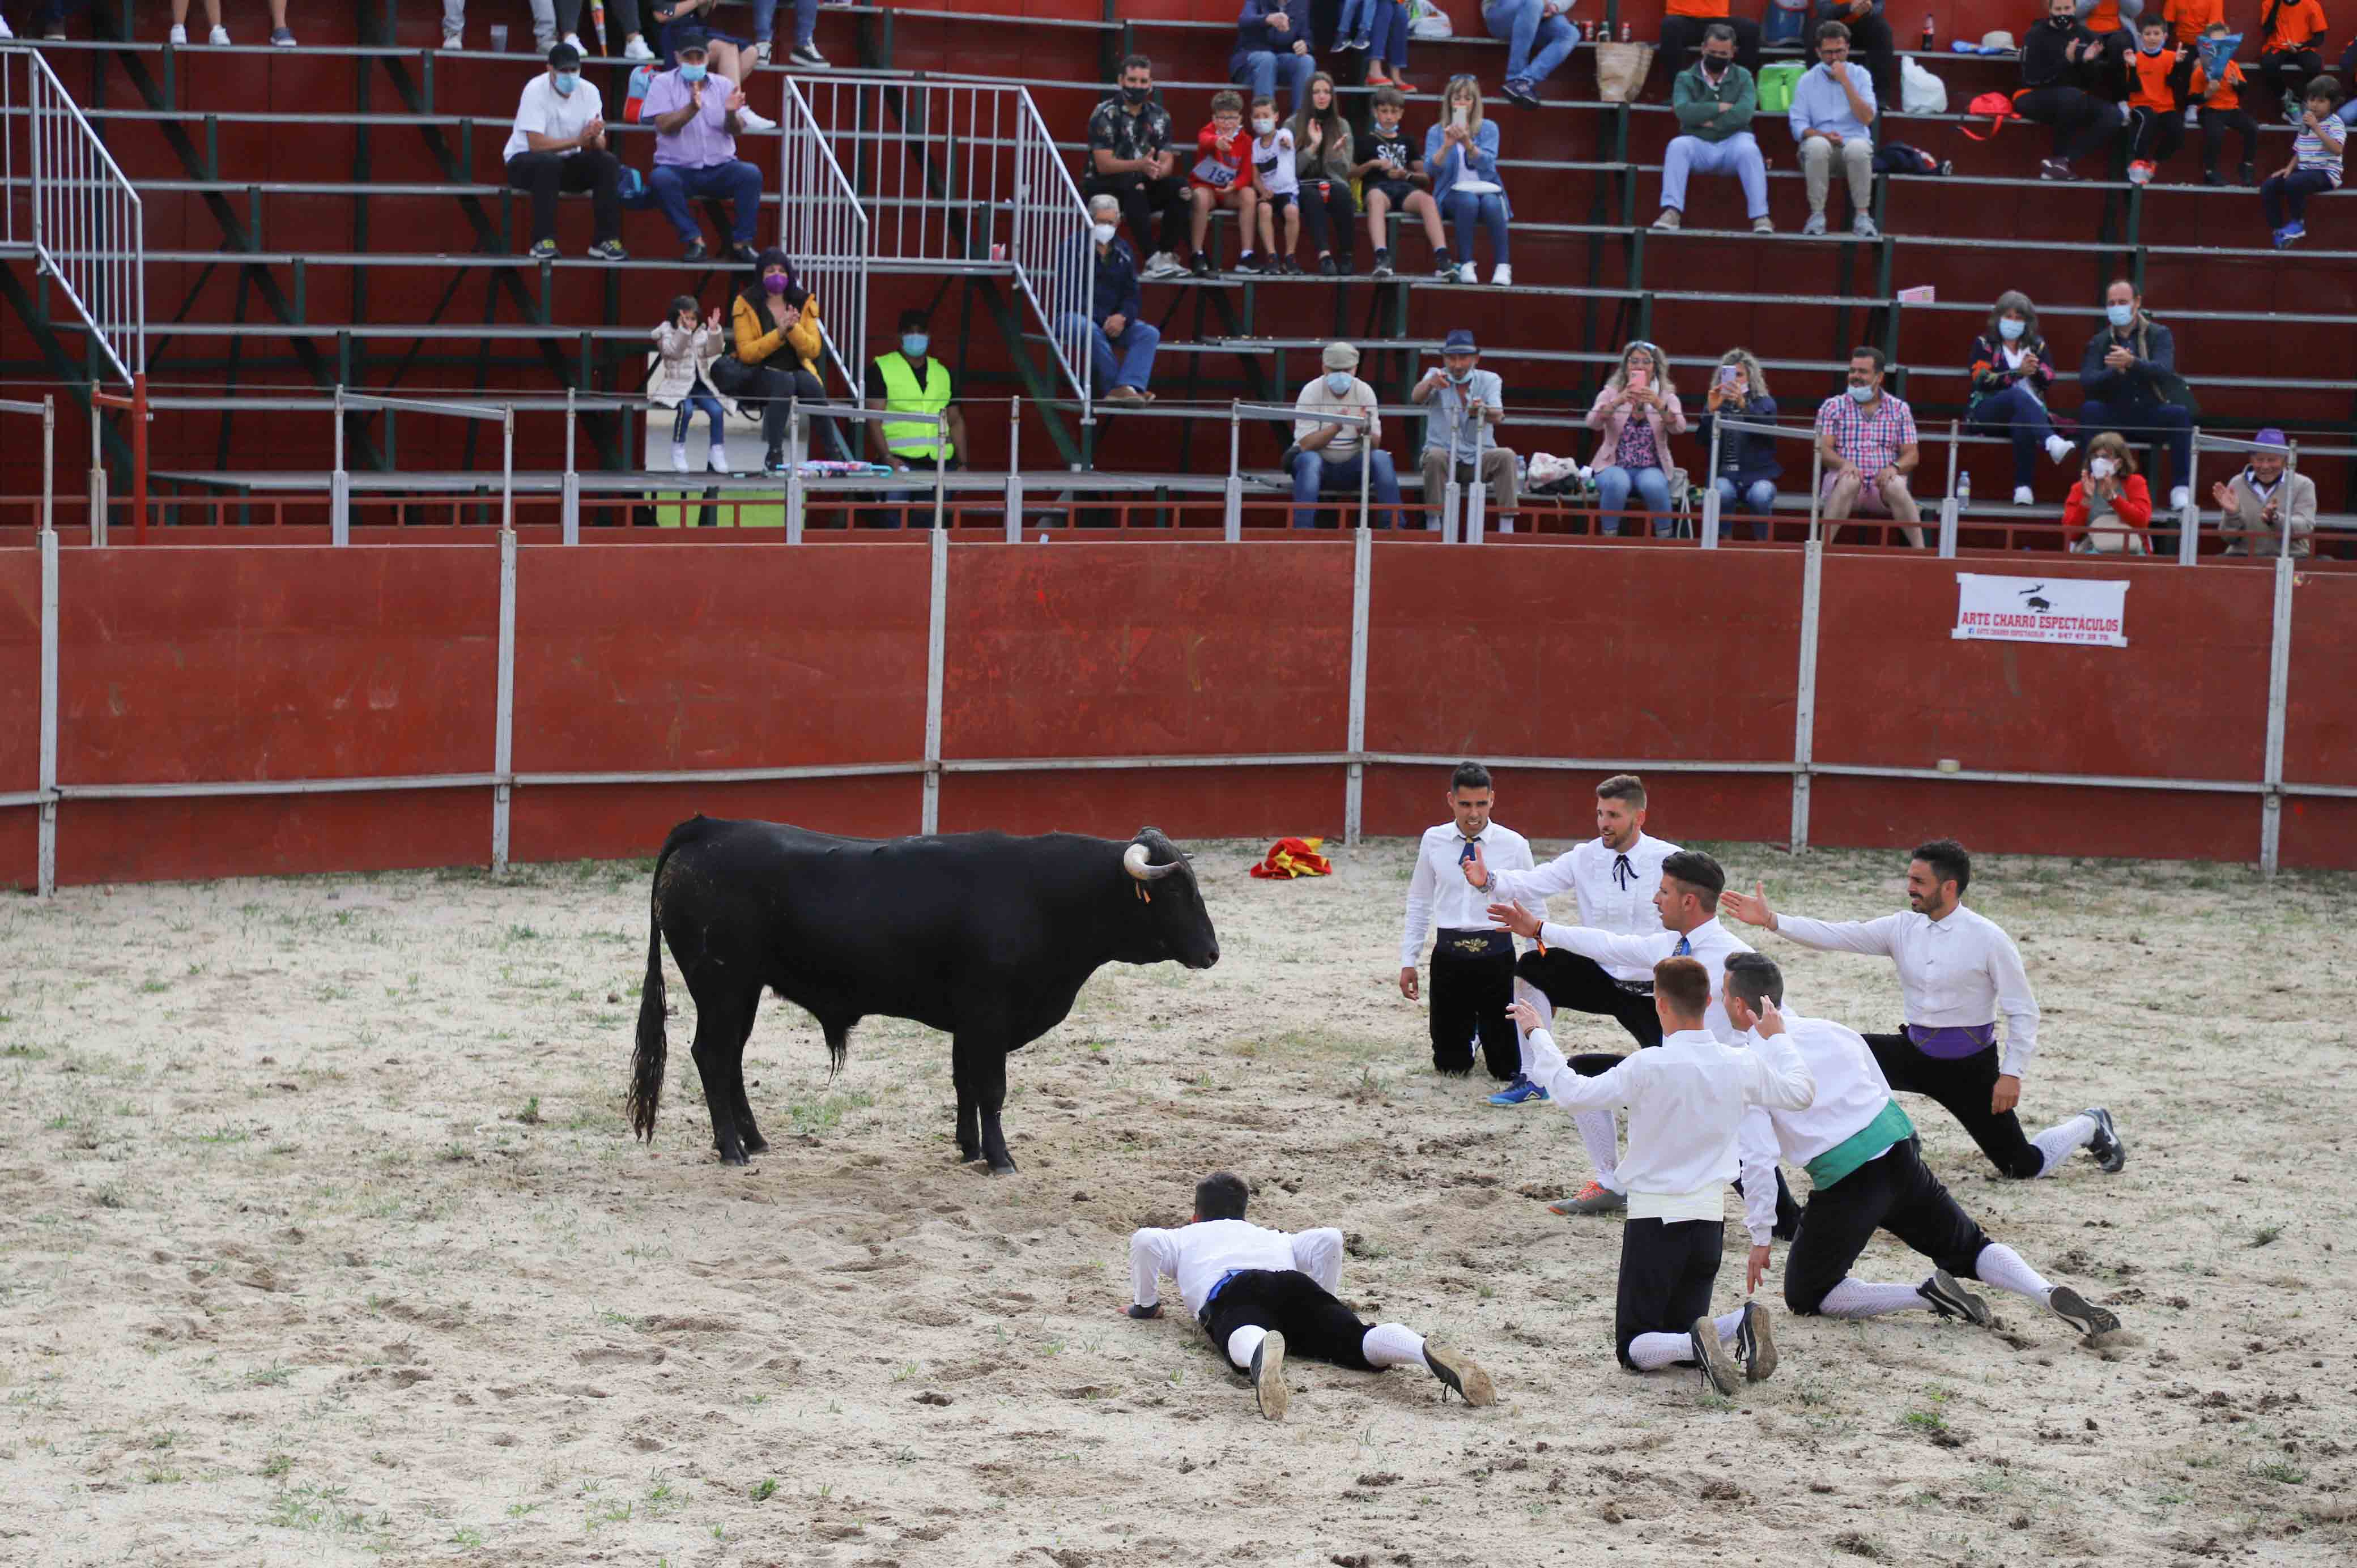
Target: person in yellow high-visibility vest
{"points": [[912, 381]]}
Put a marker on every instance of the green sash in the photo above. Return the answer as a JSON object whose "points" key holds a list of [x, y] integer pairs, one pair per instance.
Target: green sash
{"points": [[1890, 1126]]}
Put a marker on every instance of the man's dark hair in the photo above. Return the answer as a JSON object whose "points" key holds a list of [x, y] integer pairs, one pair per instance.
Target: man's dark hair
{"points": [[1948, 861], [1470, 775], [1699, 872], [1683, 984], [1133, 62], [913, 317], [1718, 33], [1626, 788], [1832, 30], [1754, 977], [1220, 1196], [1868, 351]]}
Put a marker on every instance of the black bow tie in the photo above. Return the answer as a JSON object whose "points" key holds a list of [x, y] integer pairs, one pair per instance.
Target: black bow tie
{"points": [[1622, 872]]}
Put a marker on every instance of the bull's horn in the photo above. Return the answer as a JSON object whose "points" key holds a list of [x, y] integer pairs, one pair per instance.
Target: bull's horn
{"points": [[1133, 860]]}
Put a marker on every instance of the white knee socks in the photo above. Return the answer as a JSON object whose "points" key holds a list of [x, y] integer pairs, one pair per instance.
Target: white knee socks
{"points": [[2062, 1139], [2003, 1267], [1603, 1140], [1392, 1345], [1525, 992], [1856, 1298], [1244, 1342], [1726, 1323], [1651, 1352]]}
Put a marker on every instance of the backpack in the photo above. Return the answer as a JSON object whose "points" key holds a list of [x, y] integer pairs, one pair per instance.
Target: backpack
{"points": [[1776, 84], [1997, 107], [641, 78]]}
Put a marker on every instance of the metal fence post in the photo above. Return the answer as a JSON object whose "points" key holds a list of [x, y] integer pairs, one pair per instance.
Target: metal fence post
{"points": [[794, 473], [49, 464], [97, 498], [340, 484], [1711, 499], [1950, 509], [569, 505], [503, 720], [2278, 700], [45, 877], [936, 652], [1232, 517], [507, 467], [1804, 707], [1013, 470], [1477, 508], [1452, 502], [1363, 572], [2189, 520]]}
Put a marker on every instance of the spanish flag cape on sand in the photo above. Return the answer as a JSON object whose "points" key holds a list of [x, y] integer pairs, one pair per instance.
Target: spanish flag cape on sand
{"points": [[1288, 858]]}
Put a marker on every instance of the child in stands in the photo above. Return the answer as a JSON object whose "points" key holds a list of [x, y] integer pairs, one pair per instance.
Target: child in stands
{"points": [[2160, 83], [1222, 177], [1278, 178], [1394, 175], [2315, 166], [2221, 111], [686, 348]]}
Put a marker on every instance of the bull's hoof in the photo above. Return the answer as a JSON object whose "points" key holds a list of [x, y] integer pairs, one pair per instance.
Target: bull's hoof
{"points": [[757, 1145], [1002, 1166], [738, 1158]]}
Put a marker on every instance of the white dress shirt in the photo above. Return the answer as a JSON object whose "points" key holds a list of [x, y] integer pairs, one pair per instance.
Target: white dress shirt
{"points": [[1851, 1092], [1961, 971], [548, 112], [1686, 1102], [1199, 1255], [1707, 944], [1616, 890], [1437, 893]]}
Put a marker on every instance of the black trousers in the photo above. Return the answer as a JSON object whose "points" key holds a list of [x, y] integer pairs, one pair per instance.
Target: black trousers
{"points": [[1681, 37], [1580, 983], [2083, 123], [1870, 36], [1472, 982], [545, 173], [1961, 1085], [1155, 209], [2288, 71], [1332, 219], [772, 386], [2215, 123], [1668, 1269], [1897, 1193], [1288, 1301], [2155, 134]]}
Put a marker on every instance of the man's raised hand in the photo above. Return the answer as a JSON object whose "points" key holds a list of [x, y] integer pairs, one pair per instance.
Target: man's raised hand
{"points": [[1516, 918], [1525, 1017], [1771, 1022], [1752, 908], [1476, 873]]}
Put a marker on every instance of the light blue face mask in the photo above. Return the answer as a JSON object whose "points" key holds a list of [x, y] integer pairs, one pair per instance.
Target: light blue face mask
{"points": [[2120, 315], [2011, 328], [914, 344], [566, 80], [691, 74], [1339, 382], [1860, 394]]}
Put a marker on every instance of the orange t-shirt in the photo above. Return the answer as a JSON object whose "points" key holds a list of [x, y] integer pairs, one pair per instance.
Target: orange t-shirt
{"points": [[2189, 18], [2225, 93], [2104, 18], [2148, 81], [2297, 24], [1701, 10]]}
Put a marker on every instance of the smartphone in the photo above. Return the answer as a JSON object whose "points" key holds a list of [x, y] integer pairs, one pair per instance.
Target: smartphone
{"points": [[1726, 375], [1640, 375]]}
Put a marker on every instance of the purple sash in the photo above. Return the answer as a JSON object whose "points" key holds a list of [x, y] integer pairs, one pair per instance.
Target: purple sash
{"points": [[1952, 1042]]}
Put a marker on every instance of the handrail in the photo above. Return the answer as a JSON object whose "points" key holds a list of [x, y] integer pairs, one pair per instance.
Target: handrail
{"points": [[824, 226], [1054, 265], [88, 226]]}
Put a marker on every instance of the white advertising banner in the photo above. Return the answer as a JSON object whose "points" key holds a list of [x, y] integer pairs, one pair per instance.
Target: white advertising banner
{"points": [[2085, 611]]}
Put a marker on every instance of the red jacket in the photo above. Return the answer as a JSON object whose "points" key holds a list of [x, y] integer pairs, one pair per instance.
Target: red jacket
{"points": [[2133, 506]]}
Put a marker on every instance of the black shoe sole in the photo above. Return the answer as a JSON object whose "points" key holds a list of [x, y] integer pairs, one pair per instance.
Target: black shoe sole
{"points": [[1456, 1370], [1755, 1344], [2084, 1316], [1711, 1357], [2111, 1154], [1949, 1299], [1268, 1376]]}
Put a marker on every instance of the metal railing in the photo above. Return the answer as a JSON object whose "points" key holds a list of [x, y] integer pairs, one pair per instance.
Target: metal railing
{"points": [[1055, 261], [823, 227], [84, 223]]}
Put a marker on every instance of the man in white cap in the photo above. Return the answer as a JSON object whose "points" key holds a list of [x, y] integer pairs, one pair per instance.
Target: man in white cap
{"points": [[1326, 452]]}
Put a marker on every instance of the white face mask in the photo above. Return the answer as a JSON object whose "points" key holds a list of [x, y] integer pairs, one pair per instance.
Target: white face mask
{"points": [[1102, 232], [1338, 382], [2100, 467], [1263, 126]]}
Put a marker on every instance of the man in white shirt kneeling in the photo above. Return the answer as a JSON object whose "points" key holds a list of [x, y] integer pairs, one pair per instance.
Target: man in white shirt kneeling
{"points": [[1259, 1293], [1687, 1101]]}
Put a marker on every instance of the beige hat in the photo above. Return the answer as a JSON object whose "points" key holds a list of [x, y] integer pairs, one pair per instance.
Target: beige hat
{"points": [[1341, 356]]}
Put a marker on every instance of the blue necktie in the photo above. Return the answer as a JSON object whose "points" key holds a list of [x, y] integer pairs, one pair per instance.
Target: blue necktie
{"points": [[1685, 948]]}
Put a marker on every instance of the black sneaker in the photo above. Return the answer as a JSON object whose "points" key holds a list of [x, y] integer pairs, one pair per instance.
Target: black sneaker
{"points": [[1755, 1345], [1521, 94], [1444, 265], [1717, 1367], [1199, 264], [1289, 267], [2109, 1151], [543, 251], [2086, 1318], [694, 254], [807, 57], [1949, 1299], [1268, 1376], [1382, 263], [1456, 1370], [1328, 267], [742, 251], [608, 251], [2053, 168], [773, 461], [2250, 175]]}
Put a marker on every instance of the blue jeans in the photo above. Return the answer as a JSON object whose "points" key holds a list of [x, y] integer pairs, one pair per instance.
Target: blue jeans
{"points": [[1758, 498], [1313, 474], [765, 19], [1521, 24], [689, 407], [1390, 37], [1261, 68], [1652, 488], [1462, 207], [740, 182], [2014, 412], [1136, 346], [1357, 20], [1738, 155], [2144, 424]]}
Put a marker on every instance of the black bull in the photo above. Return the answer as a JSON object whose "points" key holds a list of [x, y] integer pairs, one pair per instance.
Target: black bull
{"points": [[985, 937]]}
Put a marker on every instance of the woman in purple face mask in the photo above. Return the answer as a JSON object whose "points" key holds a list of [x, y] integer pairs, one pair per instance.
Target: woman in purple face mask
{"points": [[776, 345]]}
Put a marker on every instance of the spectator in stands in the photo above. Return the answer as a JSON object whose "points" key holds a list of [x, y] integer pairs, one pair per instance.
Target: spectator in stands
{"points": [[1867, 439], [728, 55], [687, 353], [2160, 83], [2221, 111], [1322, 150], [696, 116], [2108, 509], [1637, 412], [1868, 31], [1687, 26], [1222, 177], [2315, 167], [280, 33], [1394, 175], [1465, 404], [1833, 117], [1111, 324], [1325, 455], [2112, 23], [1462, 155], [558, 143], [804, 52], [2256, 505], [777, 340], [1131, 159], [2290, 50], [1273, 40], [1714, 102], [912, 380], [1277, 180], [453, 25], [2059, 61], [2012, 374], [622, 19], [1386, 46], [1748, 464], [1528, 24], [2129, 377]]}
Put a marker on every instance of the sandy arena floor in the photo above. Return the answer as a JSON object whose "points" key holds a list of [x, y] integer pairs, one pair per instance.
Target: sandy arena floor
{"points": [[322, 1239]]}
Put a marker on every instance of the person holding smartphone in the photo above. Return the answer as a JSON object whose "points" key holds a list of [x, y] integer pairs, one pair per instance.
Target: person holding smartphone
{"points": [[1747, 467], [1461, 154], [1465, 405]]}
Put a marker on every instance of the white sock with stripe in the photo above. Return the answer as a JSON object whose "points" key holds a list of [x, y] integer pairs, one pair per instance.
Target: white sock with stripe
{"points": [[1525, 992], [2062, 1139], [1726, 1323], [1392, 1345], [1243, 1342], [1603, 1140], [2003, 1267], [1856, 1298], [1652, 1352]]}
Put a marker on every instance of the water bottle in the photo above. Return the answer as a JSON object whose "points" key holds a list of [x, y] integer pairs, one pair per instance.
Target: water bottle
{"points": [[1963, 490]]}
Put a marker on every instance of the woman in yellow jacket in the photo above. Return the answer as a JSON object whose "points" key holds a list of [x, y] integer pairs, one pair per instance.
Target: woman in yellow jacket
{"points": [[775, 354]]}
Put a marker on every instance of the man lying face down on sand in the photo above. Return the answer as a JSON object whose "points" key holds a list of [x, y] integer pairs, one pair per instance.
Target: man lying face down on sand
{"points": [[1258, 1292]]}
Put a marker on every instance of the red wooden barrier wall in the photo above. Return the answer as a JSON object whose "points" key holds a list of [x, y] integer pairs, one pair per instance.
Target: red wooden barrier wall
{"points": [[282, 662]]}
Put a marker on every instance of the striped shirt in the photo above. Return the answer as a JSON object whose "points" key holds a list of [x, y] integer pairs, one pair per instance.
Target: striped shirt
{"points": [[1867, 440], [2308, 151]]}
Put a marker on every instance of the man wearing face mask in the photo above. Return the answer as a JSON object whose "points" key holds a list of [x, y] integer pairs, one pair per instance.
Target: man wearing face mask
{"points": [[1131, 159], [1326, 454], [2128, 376], [1120, 346], [558, 143], [2060, 60], [1714, 100], [1467, 403], [913, 381], [696, 117], [2256, 504], [1867, 438]]}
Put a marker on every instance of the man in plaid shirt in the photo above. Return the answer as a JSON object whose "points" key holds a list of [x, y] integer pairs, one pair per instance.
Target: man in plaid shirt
{"points": [[1867, 439], [1131, 160]]}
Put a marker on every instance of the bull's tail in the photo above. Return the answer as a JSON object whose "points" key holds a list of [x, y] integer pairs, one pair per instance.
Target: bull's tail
{"points": [[647, 1062]]}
